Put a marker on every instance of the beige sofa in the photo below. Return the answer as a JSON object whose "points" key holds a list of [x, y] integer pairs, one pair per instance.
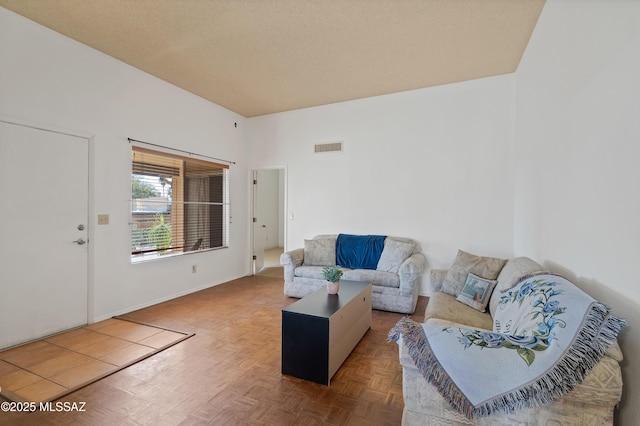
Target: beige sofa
{"points": [[590, 403], [395, 281]]}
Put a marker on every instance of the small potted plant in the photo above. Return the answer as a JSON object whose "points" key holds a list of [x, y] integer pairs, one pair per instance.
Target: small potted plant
{"points": [[332, 274]]}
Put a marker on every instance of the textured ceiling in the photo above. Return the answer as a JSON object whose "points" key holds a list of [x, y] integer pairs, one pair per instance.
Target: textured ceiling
{"points": [[257, 57]]}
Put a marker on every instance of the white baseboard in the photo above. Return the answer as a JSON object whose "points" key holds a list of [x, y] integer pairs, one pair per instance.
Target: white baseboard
{"points": [[160, 300]]}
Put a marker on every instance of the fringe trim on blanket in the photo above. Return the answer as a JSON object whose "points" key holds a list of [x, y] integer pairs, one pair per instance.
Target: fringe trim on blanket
{"points": [[415, 341], [596, 335]]}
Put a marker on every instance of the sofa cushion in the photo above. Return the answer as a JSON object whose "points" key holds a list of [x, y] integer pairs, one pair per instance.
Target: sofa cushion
{"points": [[394, 254], [445, 307], [485, 267], [514, 270], [320, 252], [376, 278], [476, 292], [311, 272]]}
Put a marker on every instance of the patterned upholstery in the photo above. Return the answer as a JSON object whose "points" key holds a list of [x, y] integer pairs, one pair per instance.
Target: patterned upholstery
{"points": [[392, 291], [590, 403]]}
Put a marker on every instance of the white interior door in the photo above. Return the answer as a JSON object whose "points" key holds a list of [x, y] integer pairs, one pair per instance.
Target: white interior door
{"points": [[43, 233]]}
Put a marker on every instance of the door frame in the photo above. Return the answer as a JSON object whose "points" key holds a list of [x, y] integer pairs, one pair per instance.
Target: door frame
{"points": [[252, 203], [91, 222]]}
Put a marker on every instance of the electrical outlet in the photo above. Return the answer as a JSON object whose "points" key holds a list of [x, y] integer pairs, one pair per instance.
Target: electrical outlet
{"points": [[194, 268]]}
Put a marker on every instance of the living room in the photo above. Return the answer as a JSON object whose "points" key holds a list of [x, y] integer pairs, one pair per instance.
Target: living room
{"points": [[539, 162]]}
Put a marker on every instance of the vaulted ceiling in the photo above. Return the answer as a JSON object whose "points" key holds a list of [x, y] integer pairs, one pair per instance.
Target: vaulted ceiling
{"points": [[257, 57]]}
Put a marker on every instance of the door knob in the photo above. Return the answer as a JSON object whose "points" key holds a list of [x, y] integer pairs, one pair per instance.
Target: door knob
{"points": [[80, 241]]}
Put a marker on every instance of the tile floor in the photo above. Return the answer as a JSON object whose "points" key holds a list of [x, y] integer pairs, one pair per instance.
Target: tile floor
{"points": [[51, 367]]}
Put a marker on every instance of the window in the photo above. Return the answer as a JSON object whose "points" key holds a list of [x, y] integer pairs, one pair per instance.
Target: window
{"points": [[178, 204]]}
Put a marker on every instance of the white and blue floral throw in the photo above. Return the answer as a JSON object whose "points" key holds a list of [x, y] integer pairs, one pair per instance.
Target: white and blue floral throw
{"points": [[547, 335]]}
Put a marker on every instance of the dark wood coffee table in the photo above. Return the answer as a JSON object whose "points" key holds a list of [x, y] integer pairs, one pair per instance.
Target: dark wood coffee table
{"points": [[320, 330]]}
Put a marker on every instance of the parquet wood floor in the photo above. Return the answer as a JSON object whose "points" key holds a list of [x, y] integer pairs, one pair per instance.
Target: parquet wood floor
{"points": [[229, 372]]}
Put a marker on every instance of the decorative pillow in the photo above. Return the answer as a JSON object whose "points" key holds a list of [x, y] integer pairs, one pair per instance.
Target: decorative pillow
{"points": [[393, 255], [485, 267], [320, 252], [476, 292]]}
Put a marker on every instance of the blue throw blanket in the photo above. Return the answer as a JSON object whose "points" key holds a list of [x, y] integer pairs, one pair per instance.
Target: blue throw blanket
{"points": [[359, 251], [547, 336]]}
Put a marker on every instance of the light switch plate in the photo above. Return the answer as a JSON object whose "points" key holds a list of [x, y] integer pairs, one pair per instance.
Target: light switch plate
{"points": [[103, 219]]}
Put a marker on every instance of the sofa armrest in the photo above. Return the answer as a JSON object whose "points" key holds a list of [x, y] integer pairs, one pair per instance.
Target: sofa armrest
{"points": [[290, 260], [604, 380], [436, 280], [413, 265], [410, 272]]}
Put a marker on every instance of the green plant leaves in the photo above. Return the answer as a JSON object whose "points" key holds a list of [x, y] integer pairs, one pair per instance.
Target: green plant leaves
{"points": [[332, 273]]}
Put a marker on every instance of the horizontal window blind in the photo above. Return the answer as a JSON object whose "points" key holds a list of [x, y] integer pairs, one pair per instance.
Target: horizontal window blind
{"points": [[146, 169], [178, 205]]}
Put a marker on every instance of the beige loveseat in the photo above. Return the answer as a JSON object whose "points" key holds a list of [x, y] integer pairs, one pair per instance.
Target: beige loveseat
{"points": [[590, 403], [395, 279]]}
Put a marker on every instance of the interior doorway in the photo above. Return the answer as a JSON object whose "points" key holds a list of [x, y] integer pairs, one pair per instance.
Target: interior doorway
{"points": [[268, 219]]}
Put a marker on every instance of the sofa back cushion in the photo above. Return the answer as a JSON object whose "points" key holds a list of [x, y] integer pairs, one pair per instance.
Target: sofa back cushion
{"points": [[320, 252], [465, 263], [395, 252], [385, 265], [513, 272]]}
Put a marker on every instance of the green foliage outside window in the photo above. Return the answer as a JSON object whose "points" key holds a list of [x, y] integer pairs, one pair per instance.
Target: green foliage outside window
{"points": [[140, 189], [160, 234]]}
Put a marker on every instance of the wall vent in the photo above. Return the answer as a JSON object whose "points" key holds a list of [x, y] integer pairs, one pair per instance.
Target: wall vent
{"points": [[327, 147]]}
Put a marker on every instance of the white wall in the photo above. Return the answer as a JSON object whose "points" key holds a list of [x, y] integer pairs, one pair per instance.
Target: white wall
{"points": [[49, 79], [578, 144], [430, 164]]}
